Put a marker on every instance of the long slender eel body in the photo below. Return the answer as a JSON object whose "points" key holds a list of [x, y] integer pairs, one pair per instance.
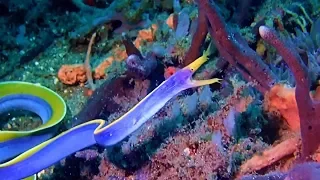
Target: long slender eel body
{"points": [[141, 112], [95, 131], [48, 105], [14, 147]]}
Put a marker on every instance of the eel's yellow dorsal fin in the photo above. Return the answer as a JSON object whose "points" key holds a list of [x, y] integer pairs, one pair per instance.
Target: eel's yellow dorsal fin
{"points": [[34, 177]]}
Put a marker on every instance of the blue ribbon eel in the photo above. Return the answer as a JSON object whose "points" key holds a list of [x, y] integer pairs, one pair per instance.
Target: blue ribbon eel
{"points": [[97, 131]]}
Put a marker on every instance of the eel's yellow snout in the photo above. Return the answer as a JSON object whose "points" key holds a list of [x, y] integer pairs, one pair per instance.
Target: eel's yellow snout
{"points": [[195, 65]]}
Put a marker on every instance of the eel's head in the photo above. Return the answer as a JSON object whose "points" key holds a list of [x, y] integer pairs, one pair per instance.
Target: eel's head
{"points": [[185, 74], [183, 78]]}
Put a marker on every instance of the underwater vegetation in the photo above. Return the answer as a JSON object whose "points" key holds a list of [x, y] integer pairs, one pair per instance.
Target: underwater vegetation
{"points": [[163, 89]]}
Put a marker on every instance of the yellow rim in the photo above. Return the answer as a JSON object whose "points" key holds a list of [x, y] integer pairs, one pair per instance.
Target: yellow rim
{"points": [[57, 104]]}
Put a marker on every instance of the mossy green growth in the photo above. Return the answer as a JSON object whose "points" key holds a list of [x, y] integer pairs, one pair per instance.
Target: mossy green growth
{"points": [[116, 69], [123, 5], [250, 122], [131, 13]]}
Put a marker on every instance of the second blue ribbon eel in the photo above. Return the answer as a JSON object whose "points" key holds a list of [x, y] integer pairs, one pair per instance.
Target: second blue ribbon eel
{"points": [[97, 131]]}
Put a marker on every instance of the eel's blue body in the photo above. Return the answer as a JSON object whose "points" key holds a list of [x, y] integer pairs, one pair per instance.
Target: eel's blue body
{"points": [[96, 132], [14, 147]]}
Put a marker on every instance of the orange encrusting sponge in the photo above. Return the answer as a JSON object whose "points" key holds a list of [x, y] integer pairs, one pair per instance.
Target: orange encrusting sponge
{"points": [[282, 99]]}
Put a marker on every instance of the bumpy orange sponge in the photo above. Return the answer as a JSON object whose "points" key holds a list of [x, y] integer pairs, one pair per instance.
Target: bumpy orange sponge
{"points": [[72, 74], [282, 99]]}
